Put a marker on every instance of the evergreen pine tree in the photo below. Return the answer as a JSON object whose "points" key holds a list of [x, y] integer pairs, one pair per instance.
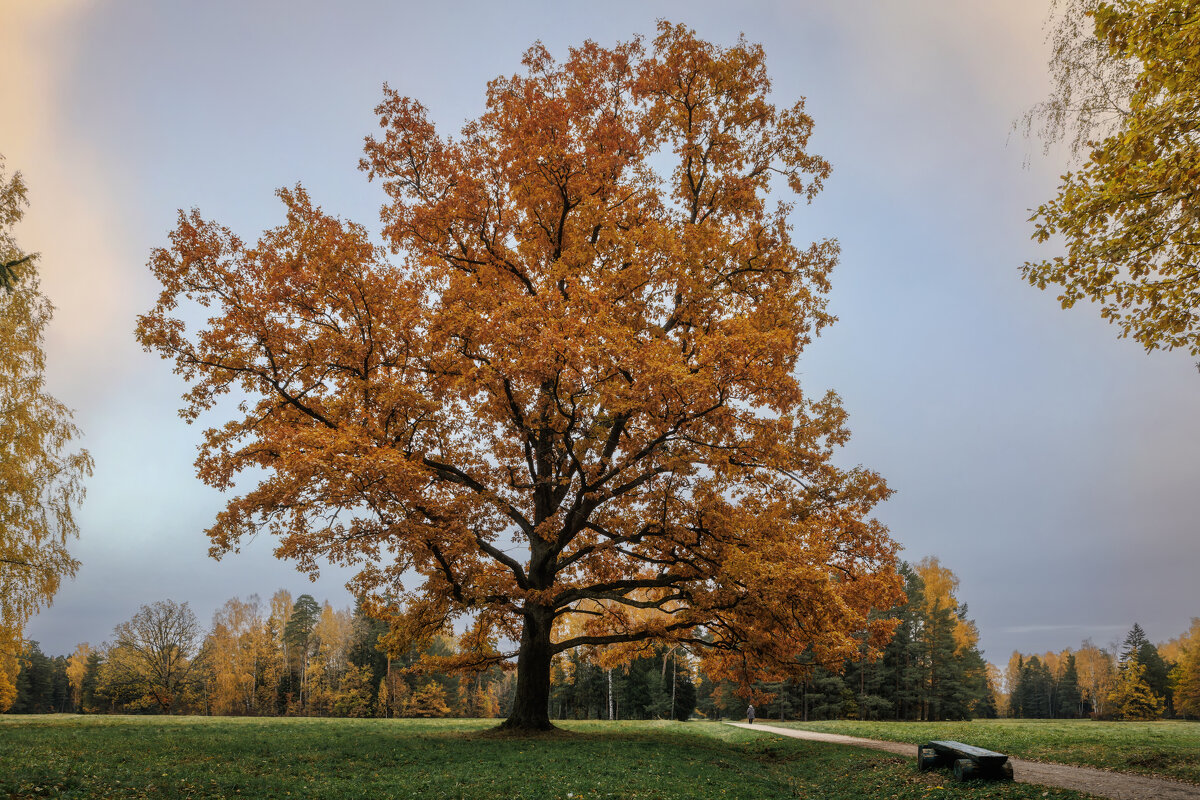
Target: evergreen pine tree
{"points": [[1158, 674], [1070, 697], [1018, 691], [88, 701], [297, 634], [1035, 690], [985, 707], [60, 692], [1134, 641], [901, 668], [684, 694], [974, 697], [364, 650], [591, 689], [35, 682], [827, 695], [944, 674]]}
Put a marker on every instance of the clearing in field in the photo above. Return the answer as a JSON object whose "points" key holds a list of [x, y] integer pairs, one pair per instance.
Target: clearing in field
{"points": [[204, 757]]}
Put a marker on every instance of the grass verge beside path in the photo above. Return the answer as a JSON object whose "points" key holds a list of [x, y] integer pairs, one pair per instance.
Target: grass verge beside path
{"points": [[1167, 749], [198, 757]]}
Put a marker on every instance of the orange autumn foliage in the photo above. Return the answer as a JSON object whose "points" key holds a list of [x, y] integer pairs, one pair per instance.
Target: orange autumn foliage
{"points": [[940, 587], [565, 386]]}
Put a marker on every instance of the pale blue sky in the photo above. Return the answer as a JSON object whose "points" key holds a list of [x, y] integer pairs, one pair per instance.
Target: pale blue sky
{"points": [[1050, 465]]}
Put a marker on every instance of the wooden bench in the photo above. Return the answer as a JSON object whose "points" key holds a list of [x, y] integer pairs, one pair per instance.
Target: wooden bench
{"points": [[968, 761]]}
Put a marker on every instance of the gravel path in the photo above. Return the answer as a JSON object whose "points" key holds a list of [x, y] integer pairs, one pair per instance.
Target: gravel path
{"points": [[1083, 779]]}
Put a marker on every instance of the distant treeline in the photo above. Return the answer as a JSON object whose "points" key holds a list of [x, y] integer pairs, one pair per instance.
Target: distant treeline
{"points": [[1136, 680], [298, 657]]}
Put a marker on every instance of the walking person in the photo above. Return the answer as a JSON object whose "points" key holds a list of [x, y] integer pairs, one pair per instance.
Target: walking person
{"points": [[750, 714]]}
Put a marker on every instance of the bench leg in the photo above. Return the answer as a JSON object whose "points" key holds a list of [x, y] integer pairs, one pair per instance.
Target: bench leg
{"points": [[965, 769], [927, 759]]}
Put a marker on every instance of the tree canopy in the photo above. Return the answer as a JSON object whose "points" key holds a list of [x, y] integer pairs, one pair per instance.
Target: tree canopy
{"points": [[565, 389], [152, 661], [1128, 213], [41, 480]]}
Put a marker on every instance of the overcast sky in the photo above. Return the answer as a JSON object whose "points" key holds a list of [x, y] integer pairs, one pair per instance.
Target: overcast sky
{"points": [[1051, 466]]}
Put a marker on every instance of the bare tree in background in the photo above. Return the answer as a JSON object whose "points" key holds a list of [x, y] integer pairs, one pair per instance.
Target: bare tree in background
{"points": [[154, 656]]}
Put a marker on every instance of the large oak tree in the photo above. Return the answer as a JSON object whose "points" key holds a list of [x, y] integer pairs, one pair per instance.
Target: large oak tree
{"points": [[565, 391]]}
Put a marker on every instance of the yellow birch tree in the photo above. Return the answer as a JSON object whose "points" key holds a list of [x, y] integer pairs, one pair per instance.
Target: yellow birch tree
{"points": [[235, 654], [1186, 675], [1128, 85], [76, 669], [41, 479], [1097, 672]]}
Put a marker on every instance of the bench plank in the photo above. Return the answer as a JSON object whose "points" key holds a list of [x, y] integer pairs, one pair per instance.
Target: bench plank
{"points": [[976, 754]]}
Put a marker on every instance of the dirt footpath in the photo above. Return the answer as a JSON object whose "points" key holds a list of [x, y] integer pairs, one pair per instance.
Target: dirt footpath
{"points": [[1082, 779]]}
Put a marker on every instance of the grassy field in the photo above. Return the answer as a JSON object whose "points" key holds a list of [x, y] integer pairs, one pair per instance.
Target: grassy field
{"points": [[197, 757], [1168, 749]]}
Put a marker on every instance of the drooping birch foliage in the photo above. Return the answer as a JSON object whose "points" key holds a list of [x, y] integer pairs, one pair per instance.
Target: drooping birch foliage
{"points": [[1127, 93], [41, 480]]}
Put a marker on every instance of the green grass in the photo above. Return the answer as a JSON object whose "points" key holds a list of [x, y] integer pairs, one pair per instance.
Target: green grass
{"points": [[1169, 749], [197, 757]]}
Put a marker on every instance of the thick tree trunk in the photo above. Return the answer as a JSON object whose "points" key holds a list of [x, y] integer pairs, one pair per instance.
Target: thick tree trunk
{"points": [[531, 705]]}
